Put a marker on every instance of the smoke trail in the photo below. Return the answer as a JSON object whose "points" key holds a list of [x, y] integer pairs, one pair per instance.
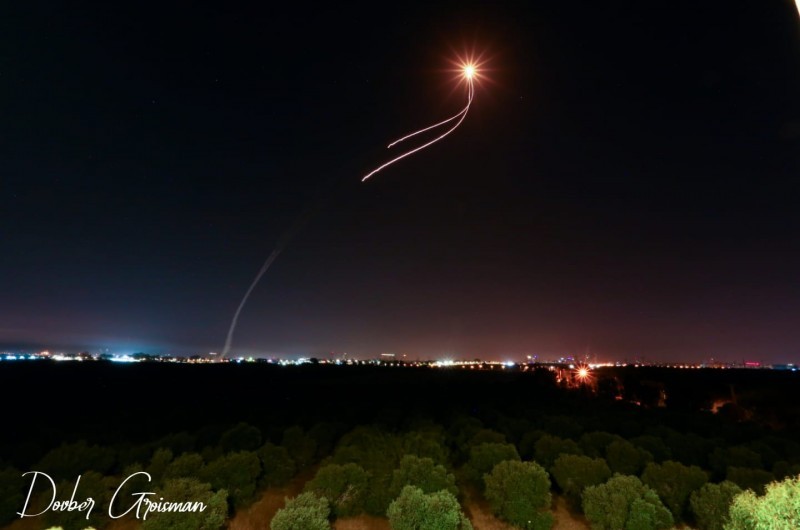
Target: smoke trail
{"points": [[279, 246], [267, 264], [235, 320], [326, 193]]}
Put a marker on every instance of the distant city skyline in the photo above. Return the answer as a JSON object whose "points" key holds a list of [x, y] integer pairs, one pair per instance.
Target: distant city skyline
{"points": [[581, 365], [521, 358]]}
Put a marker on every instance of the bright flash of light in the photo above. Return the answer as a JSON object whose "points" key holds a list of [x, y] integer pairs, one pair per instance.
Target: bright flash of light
{"points": [[469, 72], [582, 373], [469, 69], [798, 6]]}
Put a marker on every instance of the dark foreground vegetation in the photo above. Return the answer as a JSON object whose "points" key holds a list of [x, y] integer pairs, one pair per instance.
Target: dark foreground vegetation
{"points": [[634, 448]]}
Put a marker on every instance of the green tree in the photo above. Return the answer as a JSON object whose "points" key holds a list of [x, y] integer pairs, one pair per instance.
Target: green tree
{"points": [[325, 435], [594, 443], [486, 436], [739, 456], [519, 492], [783, 446], [158, 464], [179, 442], [654, 445], [91, 484], [769, 456], [242, 437], [378, 453], [423, 473], [783, 469], [625, 458], [128, 453], [549, 448], [527, 443], [483, 458], [426, 444], [690, 449], [460, 432], [345, 485], [562, 426], [647, 514], [184, 466], [371, 448], [304, 512], [710, 504], [276, 465], [70, 460], [674, 483], [237, 473], [574, 473], [189, 490], [302, 448], [513, 428], [749, 478], [415, 510], [777, 509], [12, 487], [625, 503]]}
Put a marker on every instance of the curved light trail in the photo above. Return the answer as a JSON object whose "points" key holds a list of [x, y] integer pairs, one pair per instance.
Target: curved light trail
{"points": [[469, 73]]}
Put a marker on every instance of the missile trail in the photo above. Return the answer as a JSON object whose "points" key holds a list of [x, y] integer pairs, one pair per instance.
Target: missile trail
{"points": [[272, 257], [324, 195], [469, 74], [448, 120], [279, 246]]}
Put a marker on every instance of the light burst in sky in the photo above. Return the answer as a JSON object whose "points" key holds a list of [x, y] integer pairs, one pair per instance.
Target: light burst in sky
{"points": [[469, 71]]}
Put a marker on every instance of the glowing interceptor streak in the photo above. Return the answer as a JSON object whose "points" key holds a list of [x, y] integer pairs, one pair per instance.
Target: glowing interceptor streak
{"points": [[469, 73]]}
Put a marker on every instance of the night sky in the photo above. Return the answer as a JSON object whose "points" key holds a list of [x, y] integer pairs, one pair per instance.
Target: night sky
{"points": [[626, 184]]}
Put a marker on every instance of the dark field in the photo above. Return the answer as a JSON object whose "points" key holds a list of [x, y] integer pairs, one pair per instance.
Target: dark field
{"points": [[261, 432], [46, 403]]}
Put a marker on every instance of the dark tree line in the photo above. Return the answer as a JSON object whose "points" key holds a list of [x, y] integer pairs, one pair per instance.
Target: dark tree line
{"points": [[412, 445]]}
